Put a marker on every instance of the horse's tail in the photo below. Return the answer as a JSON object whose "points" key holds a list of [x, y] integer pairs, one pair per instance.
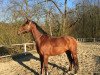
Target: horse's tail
{"points": [[74, 54], [76, 65]]}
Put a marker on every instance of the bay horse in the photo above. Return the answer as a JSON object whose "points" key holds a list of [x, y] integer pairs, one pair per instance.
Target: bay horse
{"points": [[49, 46]]}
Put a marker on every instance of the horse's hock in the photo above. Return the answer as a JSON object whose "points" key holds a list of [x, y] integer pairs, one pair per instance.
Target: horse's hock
{"points": [[89, 58]]}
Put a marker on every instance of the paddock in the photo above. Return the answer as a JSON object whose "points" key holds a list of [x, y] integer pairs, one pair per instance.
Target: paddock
{"points": [[29, 64]]}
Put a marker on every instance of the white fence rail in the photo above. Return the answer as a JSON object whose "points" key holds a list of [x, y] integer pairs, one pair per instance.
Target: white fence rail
{"points": [[26, 44], [24, 48], [88, 39]]}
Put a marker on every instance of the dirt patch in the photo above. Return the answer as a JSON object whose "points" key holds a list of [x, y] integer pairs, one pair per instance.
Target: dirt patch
{"points": [[29, 64], [88, 55]]}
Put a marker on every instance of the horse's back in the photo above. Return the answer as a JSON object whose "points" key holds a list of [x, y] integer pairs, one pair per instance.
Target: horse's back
{"points": [[56, 41]]}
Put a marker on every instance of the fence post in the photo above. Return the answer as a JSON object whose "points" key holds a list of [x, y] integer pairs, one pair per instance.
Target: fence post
{"points": [[34, 45], [93, 39], [25, 48]]}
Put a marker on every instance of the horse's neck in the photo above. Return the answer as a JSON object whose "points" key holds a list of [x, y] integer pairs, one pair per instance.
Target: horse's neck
{"points": [[36, 34]]}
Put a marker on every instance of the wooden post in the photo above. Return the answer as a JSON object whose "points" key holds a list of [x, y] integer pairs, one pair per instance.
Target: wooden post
{"points": [[93, 39], [25, 49]]}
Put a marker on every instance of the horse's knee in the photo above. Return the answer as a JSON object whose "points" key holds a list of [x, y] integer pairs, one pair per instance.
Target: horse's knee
{"points": [[45, 67]]}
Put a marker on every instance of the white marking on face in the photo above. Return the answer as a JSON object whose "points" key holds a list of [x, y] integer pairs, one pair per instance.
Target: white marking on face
{"points": [[47, 73], [28, 27]]}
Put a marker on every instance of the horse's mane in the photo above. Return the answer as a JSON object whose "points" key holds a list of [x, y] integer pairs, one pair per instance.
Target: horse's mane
{"points": [[39, 28]]}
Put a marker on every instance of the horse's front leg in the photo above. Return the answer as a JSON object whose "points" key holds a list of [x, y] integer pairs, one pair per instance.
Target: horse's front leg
{"points": [[42, 68], [46, 64]]}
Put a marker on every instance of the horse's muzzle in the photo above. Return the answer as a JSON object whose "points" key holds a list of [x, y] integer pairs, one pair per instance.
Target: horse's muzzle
{"points": [[18, 32]]}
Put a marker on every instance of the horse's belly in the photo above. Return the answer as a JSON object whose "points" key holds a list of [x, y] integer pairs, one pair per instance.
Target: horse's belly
{"points": [[57, 50]]}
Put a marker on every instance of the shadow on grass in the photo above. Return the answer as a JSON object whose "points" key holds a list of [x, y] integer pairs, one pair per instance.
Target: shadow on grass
{"points": [[22, 57]]}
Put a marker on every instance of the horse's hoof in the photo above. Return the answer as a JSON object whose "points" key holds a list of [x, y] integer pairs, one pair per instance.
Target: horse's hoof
{"points": [[70, 72], [67, 67]]}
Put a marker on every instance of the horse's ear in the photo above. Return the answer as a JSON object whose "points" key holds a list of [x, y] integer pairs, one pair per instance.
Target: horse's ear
{"points": [[27, 20]]}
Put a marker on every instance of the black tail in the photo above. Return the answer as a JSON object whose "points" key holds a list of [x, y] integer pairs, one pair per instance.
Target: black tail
{"points": [[70, 58], [76, 65]]}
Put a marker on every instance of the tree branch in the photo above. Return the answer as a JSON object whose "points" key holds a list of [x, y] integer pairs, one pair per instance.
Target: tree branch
{"points": [[75, 22], [56, 6]]}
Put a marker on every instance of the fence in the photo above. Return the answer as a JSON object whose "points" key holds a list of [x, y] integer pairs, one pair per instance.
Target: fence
{"points": [[24, 45], [88, 39]]}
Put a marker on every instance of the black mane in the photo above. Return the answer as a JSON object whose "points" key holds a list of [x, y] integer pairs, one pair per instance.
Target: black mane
{"points": [[39, 28]]}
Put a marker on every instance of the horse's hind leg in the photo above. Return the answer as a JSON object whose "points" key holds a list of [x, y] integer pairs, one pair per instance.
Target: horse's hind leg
{"points": [[75, 59], [68, 53]]}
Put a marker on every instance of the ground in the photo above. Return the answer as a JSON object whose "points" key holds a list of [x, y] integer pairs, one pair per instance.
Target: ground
{"points": [[88, 55]]}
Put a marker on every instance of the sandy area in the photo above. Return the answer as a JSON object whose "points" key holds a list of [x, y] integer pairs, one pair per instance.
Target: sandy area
{"points": [[88, 54]]}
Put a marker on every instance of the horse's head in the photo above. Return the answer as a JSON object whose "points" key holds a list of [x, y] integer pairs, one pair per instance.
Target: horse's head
{"points": [[26, 27]]}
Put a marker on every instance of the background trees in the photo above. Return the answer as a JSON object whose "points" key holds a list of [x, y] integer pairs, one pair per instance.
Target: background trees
{"points": [[78, 18]]}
